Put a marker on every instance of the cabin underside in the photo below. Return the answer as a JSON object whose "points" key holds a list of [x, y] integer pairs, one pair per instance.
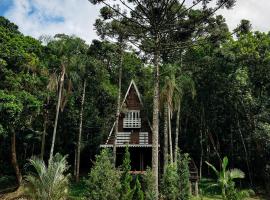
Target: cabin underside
{"points": [[140, 157]]}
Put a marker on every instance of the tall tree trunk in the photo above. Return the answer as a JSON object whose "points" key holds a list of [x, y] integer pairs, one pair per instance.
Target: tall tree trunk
{"points": [[43, 140], [177, 130], [57, 111], [245, 150], [155, 121], [165, 147], [14, 158], [201, 141], [75, 161], [118, 104], [170, 134], [80, 134], [201, 156]]}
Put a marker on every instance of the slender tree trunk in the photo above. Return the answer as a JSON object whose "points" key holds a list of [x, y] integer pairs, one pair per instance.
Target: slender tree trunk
{"points": [[80, 134], [75, 161], [165, 147], [201, 157], [14, 158], [177, 130], [118, 104], [155, 137], [43, 140], [246, 153], [201, 141], [57, 111], [170, 134]]}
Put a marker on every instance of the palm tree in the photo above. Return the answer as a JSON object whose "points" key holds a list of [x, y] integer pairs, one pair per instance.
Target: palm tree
{"points": [[67, 49], [225, 178], [166, 94], [81, 72], [184, 83], [48, 183]]}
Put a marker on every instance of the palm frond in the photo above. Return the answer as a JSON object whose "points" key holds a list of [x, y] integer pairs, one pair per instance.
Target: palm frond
{"points": [[236, 173], [48, 182]]}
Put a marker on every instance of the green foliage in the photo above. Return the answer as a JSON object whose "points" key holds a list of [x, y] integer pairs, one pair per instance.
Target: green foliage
{"points": [[184, 175], [226, 181], [104, 179], [126, 178], [78, 191], [170, 183], [48, 183], [149, 185], [137, 190]]}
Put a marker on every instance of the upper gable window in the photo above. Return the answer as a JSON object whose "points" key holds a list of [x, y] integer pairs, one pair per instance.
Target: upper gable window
{"points": [[132, 119]]}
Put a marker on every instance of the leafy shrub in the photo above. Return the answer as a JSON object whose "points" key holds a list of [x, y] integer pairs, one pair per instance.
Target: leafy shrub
{"points": [[126, 178], [104, 179], [170, 183], [48, 183], [184, 175], [225, 180], [137, 191], [149, 181]]}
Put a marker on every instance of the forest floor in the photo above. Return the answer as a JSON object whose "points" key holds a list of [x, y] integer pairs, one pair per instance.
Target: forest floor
{"points": [[78, 191], [214, 194]]}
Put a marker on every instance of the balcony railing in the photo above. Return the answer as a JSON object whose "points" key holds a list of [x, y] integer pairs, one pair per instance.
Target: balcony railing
{"points": [[125, 138], [143, 137], [132, 123]]}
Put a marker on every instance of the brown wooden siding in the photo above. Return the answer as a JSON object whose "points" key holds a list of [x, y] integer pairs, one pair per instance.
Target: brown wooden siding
{"points": [[132, 102]]}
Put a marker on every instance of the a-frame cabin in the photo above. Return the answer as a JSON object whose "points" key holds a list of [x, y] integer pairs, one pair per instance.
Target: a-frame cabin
{"points": [[134, 131]]}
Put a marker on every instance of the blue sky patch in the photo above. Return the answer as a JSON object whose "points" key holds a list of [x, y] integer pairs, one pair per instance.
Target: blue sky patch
{"points": [[5, 6], [44, 18]]}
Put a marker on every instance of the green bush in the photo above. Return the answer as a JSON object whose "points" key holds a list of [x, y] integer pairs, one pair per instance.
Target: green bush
{"points": [[126, 178], [48, 183], [170, 183], [225, 180], [184, 175], [104, 179], [137, 190], [149, 181]]}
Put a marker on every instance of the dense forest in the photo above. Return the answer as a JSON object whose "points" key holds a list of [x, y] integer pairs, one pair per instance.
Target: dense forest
{"points": [[61, 95]]}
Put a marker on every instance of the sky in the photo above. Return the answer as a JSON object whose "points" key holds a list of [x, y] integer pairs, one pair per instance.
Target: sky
{"points": [[76, 17]]}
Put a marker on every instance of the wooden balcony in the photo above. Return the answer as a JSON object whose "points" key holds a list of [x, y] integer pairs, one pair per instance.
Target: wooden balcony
{"points": [[125, 138], [132, 123]]}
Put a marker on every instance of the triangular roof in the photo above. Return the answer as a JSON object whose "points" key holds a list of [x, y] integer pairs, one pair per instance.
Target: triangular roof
{"points": [[132, 83]]}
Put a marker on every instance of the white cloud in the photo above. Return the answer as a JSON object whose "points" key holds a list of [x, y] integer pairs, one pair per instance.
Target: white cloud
{"points": [[257, 11], [79, 16]]}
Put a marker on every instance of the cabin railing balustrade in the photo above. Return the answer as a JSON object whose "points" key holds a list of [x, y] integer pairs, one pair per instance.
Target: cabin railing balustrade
{"points": [[125, 138], [132, 123]]}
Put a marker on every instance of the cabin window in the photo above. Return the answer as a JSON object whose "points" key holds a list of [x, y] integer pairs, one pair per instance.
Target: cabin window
{"points": [[132, 119]]}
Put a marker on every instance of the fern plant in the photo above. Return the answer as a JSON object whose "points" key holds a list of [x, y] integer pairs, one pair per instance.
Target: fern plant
{"points": [[48, 182], [225, 180]]}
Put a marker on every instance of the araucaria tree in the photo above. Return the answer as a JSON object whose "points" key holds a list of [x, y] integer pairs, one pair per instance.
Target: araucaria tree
{"points": [[156, 27]]}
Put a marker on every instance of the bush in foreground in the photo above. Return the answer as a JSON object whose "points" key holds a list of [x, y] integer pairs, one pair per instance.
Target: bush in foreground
{"points": [[48, 183], [104, 179]]}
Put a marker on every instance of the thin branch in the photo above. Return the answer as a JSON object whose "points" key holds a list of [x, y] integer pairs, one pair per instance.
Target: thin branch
{"points": [[193, 43], [182, 13], [201, 20], [129, 19], [127, 6]]}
